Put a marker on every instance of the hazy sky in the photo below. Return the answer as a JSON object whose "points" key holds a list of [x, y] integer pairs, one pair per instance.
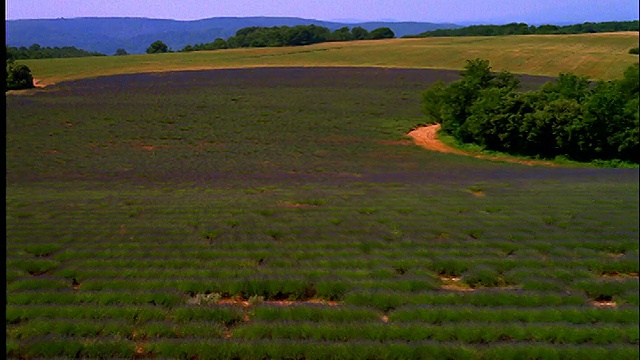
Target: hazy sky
{"points": [[530, 11]]}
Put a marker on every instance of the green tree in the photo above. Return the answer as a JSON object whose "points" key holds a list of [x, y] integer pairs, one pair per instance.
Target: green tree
{"points": [[571, 116], [568, 86], [10, 53], [434, 101], [299, 35], [359, 33], [18, 76], [552, 129], [218, 43], [157, 47], [342, 34], [495, 119], [477, 73], [121, 52], [476, 76], [382, 33], [629, 84]]}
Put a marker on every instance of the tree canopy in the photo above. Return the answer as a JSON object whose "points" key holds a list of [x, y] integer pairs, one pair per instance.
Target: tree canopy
{"points": [[571, 117], [276, 36], [36, 51], [121, 52], [157, 47], [382, 33], [18, 76], [524, 29]]}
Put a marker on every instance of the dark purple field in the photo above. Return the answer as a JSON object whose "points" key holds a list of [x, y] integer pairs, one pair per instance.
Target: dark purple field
{"points": [[307, 124]]}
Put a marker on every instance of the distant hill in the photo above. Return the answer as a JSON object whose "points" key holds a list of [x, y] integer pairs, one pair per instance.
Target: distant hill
{"points": [[106, 35]]}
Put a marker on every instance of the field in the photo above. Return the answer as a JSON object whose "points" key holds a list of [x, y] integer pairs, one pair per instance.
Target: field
{"points": [[282, 213], [598, 56]]}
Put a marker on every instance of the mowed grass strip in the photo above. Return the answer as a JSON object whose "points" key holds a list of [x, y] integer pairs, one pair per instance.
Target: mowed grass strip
{"points": [[598, 56]]}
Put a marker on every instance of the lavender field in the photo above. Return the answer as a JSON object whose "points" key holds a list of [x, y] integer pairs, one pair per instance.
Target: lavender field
{"points": [[283, 213]]}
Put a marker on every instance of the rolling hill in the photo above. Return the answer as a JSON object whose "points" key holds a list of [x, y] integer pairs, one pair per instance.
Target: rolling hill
{"points": [[106, 35]]}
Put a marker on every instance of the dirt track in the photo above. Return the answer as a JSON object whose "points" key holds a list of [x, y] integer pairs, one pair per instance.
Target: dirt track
{"points": [[427, 137]]}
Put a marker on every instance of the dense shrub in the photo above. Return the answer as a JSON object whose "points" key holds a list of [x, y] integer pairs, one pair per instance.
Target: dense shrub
{"points": [[635, 51], [570, 117], [18, 76]]}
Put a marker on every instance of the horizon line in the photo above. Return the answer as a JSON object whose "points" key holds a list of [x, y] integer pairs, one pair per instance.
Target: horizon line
{"points": [[346, 21]]}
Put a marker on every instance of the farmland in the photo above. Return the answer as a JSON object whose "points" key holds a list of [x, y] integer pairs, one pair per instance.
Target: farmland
{"points": [[598, 56], [283, 213]]}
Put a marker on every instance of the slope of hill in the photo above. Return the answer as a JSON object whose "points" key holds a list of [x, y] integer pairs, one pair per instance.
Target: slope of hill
{"points": [[106, 35]]}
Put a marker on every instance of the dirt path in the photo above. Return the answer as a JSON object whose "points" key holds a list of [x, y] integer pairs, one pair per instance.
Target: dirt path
{"points": [[38, 84], [427, 137]]}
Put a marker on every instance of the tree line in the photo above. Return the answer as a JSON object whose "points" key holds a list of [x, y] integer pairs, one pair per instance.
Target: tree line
{"points": [[277, 36], [524, 29], [36, 51], [571, 117]]}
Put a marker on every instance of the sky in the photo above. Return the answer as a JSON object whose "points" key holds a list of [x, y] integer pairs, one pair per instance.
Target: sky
{"points": [[452, 11]]}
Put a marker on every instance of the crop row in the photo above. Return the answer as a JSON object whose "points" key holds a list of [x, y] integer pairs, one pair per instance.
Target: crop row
{"points": [[379, 293], [274, 263], [224, 243], [226, 314], [87, 328], [464, 332], [433, 314], [365, 253], [310, 350], [266, 265], [445, 313]]}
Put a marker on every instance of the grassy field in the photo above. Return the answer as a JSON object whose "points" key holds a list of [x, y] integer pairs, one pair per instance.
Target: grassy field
{"points": [[284, 214], [598, 56]]}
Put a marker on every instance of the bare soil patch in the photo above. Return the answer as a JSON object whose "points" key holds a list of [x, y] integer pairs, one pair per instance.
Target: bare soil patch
{"points": [[37, 83], [456, 287], [246, 304], [427, 137], [604, 303], [620, 276], [295, 205], [454, 283]]}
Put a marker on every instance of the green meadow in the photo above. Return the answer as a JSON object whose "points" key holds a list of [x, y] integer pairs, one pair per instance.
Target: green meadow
{"points": [[283, 213]]}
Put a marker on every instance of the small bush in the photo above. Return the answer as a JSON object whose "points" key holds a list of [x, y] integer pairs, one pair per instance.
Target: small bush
{"points": [[381, 300], [38, 266], [42, 250], [606, 289], [482, 276], [117, 349], [18, 76], [634, 51], [227, 315]]}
